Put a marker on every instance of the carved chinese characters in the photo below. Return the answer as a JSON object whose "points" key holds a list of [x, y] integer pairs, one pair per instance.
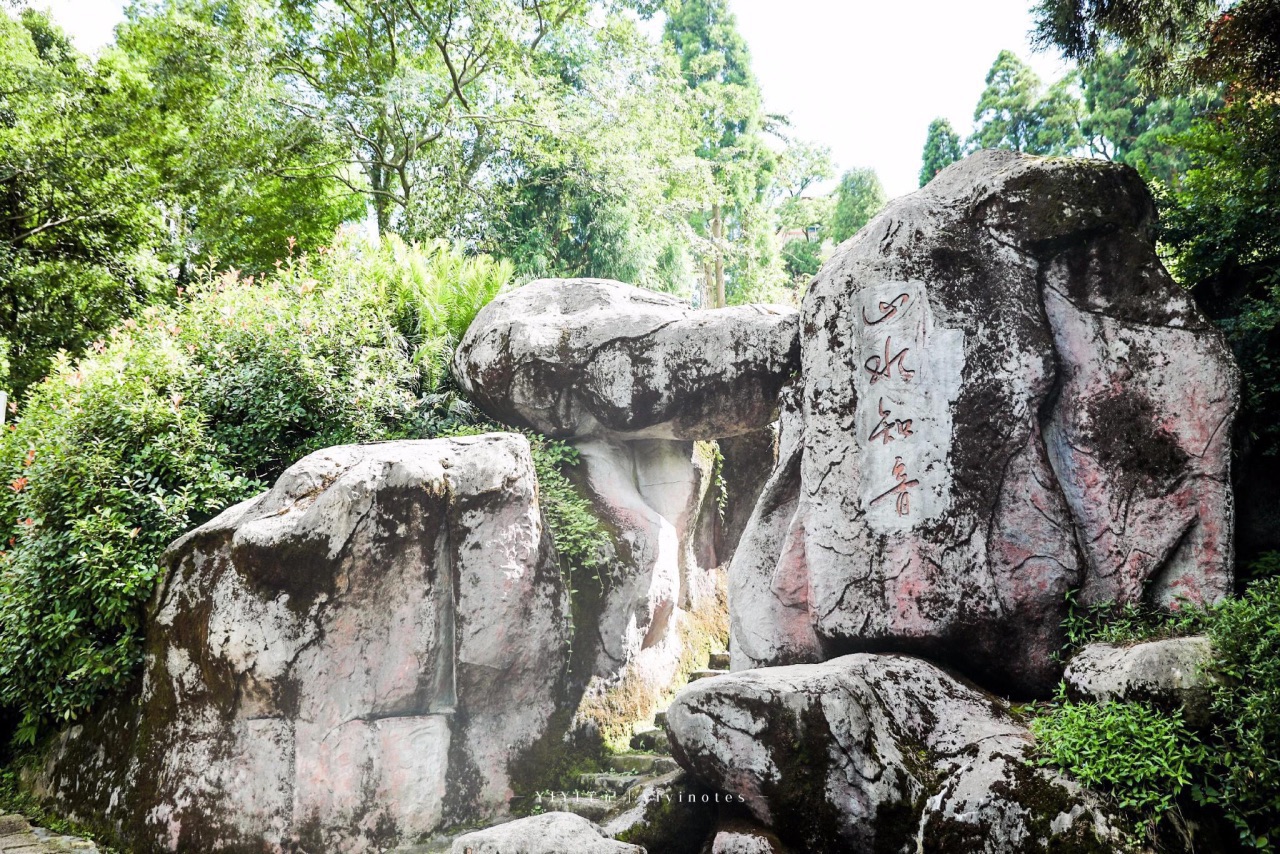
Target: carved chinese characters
{"points": [[908, 375]]}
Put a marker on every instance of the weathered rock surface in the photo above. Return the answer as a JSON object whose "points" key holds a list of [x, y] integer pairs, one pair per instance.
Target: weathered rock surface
{"points": [[1174, 674], [742, 837], [549, 833], [581, 357], [17, 836], [1004, 397], [654, 494], [870, 753], [637, 381], [673, 813], [353, 658]]}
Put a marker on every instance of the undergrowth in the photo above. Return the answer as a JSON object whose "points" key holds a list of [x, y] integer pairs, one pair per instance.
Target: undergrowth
{"points": [[1148, 760]]}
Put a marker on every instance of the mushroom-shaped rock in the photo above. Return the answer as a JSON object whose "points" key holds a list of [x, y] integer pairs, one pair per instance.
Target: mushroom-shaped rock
{"points": [[351, 659], [869, 753], [579, 357], [549, 833], [1003, 397]]}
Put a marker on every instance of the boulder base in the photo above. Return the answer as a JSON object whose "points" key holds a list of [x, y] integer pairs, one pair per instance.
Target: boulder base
{"points": [[549, 833], [1175, 674], [869, 753]]}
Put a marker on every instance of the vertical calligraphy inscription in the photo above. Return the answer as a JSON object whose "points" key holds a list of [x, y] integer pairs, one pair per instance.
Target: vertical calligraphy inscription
{"points": [[907, 377]]}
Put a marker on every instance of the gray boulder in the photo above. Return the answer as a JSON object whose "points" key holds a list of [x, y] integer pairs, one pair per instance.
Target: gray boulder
{"points": [[869, 753], [356, 657], [742, 837], [1004, 396], [549, 833], [1173, 674], [580, 357]]}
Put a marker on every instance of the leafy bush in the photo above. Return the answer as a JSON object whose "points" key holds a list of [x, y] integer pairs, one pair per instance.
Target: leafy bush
{"points": [[1139, 755], [104, 469], [1234, 764], [184, 411], [1243, 776], [1111, 622]]}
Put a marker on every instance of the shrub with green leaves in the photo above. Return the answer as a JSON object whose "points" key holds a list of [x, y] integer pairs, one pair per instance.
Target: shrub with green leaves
{"points": [[1139, 755], [184, 410], [1243, 776], [1234, 763]]}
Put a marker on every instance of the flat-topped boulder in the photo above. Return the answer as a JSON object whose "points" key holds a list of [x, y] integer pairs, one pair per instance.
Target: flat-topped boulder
{"points": [[869, 753], [1004, 397], [1175, 674], [549, 833], [580, 357], [352, 659]]}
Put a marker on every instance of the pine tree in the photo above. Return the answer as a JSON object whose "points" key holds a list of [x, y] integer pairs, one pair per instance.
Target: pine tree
{"points": [[941, 149]]}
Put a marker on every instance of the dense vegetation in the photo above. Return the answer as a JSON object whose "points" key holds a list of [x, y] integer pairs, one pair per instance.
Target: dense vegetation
{"points": [[188, 408], [554, 133], [1155, 764], [179, 321]]}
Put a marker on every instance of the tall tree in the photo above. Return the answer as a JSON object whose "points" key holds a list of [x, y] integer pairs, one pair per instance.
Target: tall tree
{"points": [[859, 197], [241, 178], [77, 218], [424, 95], [733, 225], [1124, 121], [1015, 112], [941, 149], [607, 194]]}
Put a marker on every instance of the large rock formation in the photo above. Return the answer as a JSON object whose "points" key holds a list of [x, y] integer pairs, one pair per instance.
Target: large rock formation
{"points": [[355, 657], [638, 382], [1004, 397], [873, 753]]}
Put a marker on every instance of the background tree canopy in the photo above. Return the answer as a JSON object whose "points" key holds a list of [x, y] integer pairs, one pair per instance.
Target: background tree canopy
{"points": [[227, 133]]}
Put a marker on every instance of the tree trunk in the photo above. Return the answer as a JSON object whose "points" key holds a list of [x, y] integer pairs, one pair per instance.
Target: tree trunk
{"points": [[717, 234]]}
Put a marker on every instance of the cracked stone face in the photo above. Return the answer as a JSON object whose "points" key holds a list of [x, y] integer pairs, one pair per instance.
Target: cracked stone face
{"points": [[348, 660], [580, 357], [879, 753], [1004, 397]]}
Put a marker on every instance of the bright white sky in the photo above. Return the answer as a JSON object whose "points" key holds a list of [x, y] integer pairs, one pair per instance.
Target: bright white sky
{"points": [[862, 77]]}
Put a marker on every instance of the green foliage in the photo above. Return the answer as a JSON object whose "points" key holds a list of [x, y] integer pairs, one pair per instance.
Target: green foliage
{"points": [[734, 229], [1243, 777], [1111, 622], [104, 469], [802, 259], [120, 173], [941, 149], [608, 193], [1232, 765], [75, 217], [238, 174], [180, 413], [1142, 757], [1173, 39], [1124, 122], [859, 197], [1017, 113]]}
